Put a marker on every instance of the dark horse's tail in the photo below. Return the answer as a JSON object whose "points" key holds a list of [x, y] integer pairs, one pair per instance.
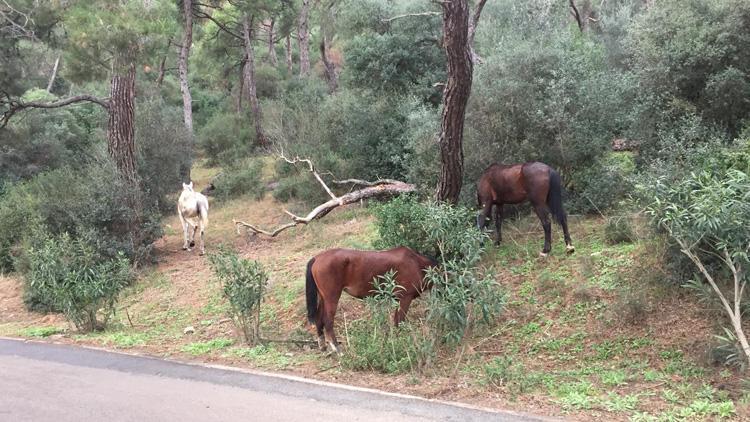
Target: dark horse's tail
{"points": [[554, 197], [311, 291]]}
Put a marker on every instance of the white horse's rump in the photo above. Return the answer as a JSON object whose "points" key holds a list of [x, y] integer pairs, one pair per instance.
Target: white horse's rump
{"points": [[192, 207]]}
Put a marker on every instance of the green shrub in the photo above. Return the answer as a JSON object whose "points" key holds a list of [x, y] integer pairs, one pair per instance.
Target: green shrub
{"points": [[226, 138], [244, 284], [432, 229], [619, 229], [163, 151], [462, 294], [375, 344], [69, 275], [461, 297], [240, 180], [708, 216], [92, 202]]}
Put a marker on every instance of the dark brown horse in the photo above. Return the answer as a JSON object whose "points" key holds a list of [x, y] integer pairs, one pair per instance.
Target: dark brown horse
{"points": [[536, 182], [336, 270]]}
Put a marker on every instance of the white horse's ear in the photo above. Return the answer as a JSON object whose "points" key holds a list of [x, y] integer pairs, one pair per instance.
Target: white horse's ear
{"points": [[184, 186], [191, 185]]}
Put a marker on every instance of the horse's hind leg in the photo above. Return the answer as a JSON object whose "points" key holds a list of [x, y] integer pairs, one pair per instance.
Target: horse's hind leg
{"points": [[543, 213], [192, 236], [319, 326], [568, 243], [203, 242], [329, 312]]}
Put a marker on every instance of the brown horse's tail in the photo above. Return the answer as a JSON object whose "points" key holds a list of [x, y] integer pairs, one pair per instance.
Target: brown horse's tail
{"points": [[311, 291], [554, 197]]}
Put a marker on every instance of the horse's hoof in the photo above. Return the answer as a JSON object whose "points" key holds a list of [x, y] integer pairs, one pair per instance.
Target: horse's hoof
{"points": [[202, 253], [570, 249], [336, 349], [543, 254], [185, 248]]}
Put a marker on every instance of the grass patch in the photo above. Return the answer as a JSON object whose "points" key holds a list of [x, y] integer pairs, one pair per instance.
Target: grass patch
{"points": [[39, 331], [263, 355], [205, 347]]}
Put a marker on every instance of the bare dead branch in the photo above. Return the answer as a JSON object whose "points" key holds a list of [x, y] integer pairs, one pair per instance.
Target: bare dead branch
{"points": [[378, 188], [408, 15], [204, 15], [312, 170], [15, 105]]}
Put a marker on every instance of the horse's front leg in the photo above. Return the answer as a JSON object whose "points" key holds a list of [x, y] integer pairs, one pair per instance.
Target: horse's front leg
{"points": [[499, 223], [403, 308], [185, 244]]}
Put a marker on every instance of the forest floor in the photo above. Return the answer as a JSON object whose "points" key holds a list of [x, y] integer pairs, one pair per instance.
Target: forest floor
{"points": [[597, 335]]}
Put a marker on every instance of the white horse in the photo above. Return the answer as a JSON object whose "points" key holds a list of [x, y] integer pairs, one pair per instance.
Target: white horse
{"points": [[192, 207]]}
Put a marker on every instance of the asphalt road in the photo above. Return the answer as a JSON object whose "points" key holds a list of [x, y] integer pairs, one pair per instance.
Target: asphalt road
{"points": [[48, 382]]}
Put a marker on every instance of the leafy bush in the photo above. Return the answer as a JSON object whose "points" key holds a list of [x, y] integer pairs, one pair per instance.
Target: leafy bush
{"points": [[462, 294], [708, 216], [226, 138], [163, 151], [375, 344], [619, 229], [69, 275], [46, 140], [91, 201], [461, 297], [244, 283], [241, 179], [432, 229], [603, 184]]}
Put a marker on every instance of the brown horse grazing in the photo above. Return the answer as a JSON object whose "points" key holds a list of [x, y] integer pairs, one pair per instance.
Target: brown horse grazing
{"points": [[516, 183], [334, 270]]}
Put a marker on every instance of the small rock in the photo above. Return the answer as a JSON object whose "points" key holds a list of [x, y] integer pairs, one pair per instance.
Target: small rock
{"points": [[189, 330]]}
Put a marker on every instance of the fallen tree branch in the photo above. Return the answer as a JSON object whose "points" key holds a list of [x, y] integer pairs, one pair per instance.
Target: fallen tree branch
{"points": [[15, 105], [378, 188], [409, 15]]}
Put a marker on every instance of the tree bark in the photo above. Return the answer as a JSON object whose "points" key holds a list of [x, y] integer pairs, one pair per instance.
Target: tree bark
{"points": [[187, 99], [289, 54], [329, 68], [54, 74], [272, 59], [455, 98], [304, 39], [249, 76], [120, 128]]}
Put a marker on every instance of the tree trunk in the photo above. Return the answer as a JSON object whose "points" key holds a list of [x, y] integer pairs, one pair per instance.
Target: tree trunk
{"points": [[330, 68], [54, 74], [162, 70], [289, 54], [455, 97], [272, 59], [120, 128], [304, 40], [247, 34], [187, 99], [473, 22], [241, 90]]}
